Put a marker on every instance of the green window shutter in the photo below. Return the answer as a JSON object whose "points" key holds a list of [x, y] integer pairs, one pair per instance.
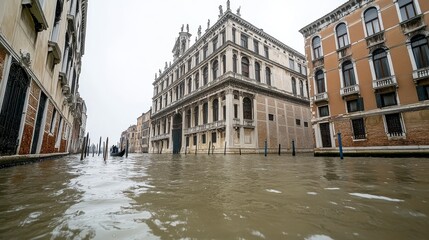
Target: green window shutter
{"points": [[378, 100], [421, 93], [360, 104]]}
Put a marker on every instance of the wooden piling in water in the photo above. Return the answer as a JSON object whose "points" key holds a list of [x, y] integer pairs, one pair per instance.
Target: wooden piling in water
{"points": [[280, 147], [82, 150], [107, 149], [293, 148], [126, 151], [224, 149], [208, 153], [99, 147]]}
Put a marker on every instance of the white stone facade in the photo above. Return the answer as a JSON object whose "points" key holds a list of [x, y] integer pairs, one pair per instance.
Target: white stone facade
{"points": [[233, 89]]}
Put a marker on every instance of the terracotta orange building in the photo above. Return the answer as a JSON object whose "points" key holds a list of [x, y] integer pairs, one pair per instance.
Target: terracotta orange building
{"points": [[368, 64]]}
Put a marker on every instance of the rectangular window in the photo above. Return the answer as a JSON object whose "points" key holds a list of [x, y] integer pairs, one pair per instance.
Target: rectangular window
{"points": [[355, 105], [222, 35], [407, 9], [358, 126], [394, 126], [266, 51], [189, 64], [235, 111], [53, 120], [423, 92], [195, 140], [244, 40], [271, 117], [291, 64], [187, 141], [233, 35], [214, 138], [298, 122], [214, 44], [305, 124], [256, 46], [323, 111], [205, 51], [386, 99], [197, 59], [299, 68], [203, 138]]}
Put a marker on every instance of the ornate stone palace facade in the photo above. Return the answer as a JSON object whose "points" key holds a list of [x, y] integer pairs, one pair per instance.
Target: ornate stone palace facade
{"points": [[233, 90], [369, 77], [41, 46]]}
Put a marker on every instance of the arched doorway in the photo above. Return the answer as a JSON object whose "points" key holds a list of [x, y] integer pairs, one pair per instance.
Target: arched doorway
{"points": [[177, 133], [11, 109]]}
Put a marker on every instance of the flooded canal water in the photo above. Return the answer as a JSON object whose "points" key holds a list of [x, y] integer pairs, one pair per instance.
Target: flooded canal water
{"points": [[216, 197]]}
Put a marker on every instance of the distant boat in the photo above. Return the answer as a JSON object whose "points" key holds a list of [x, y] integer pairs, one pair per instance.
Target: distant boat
{"points": [[117, 154]]}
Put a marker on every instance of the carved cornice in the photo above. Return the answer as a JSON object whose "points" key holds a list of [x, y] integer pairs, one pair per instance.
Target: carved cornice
{"points": [[333, 16]]}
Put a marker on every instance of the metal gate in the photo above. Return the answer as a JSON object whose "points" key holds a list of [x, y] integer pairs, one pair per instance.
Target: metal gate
{"points": [[177, 133], [39, 118], [325, 132], [11, 111]]}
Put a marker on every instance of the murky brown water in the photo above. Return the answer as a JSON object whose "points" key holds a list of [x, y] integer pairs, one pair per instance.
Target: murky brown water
{"points": [[216, 197]]}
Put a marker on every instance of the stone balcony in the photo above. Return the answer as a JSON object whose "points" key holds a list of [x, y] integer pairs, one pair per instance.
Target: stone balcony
{"points": [[246, 123], [420, 73], [318, 62], [205, 127], [350, 90], [344, 52], [321, 97], [375, 39], [413, 24], [384, 82], [160, 137]]}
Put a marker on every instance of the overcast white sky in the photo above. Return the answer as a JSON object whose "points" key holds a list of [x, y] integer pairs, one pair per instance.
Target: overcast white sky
{"points": [[127, 42]]}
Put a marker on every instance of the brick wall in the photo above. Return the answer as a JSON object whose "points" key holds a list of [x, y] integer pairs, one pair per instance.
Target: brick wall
{"points": [[30, 118], [416, 127]]}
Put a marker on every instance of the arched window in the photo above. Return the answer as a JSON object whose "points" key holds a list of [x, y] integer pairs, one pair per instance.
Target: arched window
{"points": [[197, 81], [381, 64], [320, 82], [205, 75], [224, 63], [420, 48], [372, 23], [293, 86], [215, 67], [196, 116], [407, 9], [188, 118], [245, 67], [247, 108], [215, 110], [317, 48], [342, 37], [301, 88], [268, 75], [348, 74], [257, 72], [205, 112], [234, 63]]}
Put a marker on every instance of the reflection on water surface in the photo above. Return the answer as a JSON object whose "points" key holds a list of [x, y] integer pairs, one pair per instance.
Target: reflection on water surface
{"points": [[216, 197]]}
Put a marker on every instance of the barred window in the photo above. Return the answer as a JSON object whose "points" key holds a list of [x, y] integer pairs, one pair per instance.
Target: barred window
{"points": [[358, 128], [394, 126]]}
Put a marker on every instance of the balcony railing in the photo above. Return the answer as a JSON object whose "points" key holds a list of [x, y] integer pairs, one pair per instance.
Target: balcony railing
{"points": [[320, 97], [384, 82], [344, 52], [160, 137], [205, 127], [248, 123], [350, 90], [413, 24], [421, 73]]}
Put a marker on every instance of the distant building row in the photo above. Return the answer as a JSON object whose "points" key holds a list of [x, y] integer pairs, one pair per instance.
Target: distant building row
{"points": [[41, 46]]}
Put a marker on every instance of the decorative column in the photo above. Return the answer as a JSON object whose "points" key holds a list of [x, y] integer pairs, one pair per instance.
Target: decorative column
{"points": [[240, 115], [229, 130]]}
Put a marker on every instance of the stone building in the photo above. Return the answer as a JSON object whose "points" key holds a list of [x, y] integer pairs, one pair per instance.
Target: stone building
{"points": [[368, 66], [131, 135], [235, 88], [142, 136], [41, 46]]}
